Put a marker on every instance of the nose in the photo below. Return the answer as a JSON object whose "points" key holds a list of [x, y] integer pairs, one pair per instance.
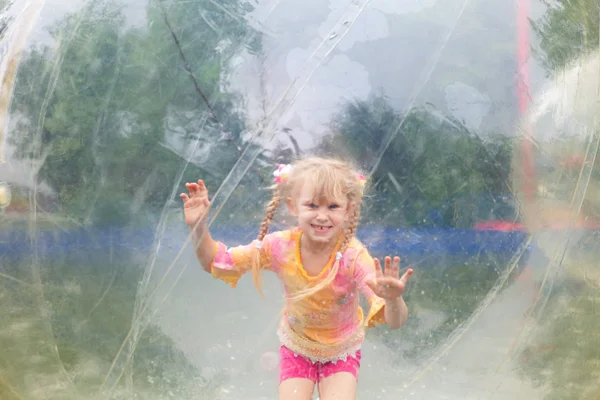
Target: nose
{"points": [[322, 215]]}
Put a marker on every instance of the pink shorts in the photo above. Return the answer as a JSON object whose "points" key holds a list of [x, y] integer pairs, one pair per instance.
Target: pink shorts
{"points": [[297, 366]]}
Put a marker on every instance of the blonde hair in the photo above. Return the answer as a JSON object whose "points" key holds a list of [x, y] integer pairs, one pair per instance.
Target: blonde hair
{"points": [[332, 179]]}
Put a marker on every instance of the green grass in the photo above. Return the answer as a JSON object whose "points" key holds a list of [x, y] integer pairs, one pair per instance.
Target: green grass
{"points": [[565, 352], [59, 339], [441, 299]]}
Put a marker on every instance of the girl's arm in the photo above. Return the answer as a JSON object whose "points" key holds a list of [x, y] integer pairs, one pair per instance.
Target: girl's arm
{"points": [[195, 208], [396, 312], [226, 264], [206, 247]]}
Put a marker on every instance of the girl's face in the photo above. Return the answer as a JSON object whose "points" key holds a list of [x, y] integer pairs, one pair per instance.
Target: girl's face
{"points": [[320, 219]]}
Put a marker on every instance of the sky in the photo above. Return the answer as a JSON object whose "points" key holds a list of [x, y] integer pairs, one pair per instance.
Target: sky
{"points": [[394, 48]]}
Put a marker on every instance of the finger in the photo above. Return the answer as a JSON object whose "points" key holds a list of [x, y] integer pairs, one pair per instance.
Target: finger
{"points": [[395, 269], [378, 271], [388, 266], [406, 275], [184, 196], [202, 188], [192, 188]]}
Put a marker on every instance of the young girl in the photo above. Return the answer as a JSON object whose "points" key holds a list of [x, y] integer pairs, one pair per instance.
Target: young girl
{"points": [[323, 268]]}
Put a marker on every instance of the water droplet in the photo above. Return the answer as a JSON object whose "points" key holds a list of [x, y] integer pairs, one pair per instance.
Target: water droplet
{"points": [[269, 361]]}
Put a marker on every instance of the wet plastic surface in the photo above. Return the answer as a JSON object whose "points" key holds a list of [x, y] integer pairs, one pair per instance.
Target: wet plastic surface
{"points": [[475, 121]]}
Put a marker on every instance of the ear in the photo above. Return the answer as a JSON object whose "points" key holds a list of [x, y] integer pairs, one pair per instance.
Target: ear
{"points": [[350, 209], [291, 206]]}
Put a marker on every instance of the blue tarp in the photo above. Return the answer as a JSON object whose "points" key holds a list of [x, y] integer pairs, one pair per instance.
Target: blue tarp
{"points": [[380, 241]]}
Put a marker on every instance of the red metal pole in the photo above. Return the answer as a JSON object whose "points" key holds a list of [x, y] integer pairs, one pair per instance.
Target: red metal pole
{"points": [[523, 52]]}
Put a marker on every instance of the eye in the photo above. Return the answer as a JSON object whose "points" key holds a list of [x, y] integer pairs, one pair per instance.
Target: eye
{"points": [[311, 205], [333, 206]]}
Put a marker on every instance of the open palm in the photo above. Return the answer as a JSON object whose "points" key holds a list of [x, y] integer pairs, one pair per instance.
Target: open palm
{"points": [[387, 284], [195, 204]]}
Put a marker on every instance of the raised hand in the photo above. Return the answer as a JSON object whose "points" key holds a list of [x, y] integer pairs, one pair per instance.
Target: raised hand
{"points": [[196, 204], [387, 284]]}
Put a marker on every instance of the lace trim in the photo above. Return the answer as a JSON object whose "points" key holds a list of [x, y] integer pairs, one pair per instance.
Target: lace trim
{"points": [[316, 352], [342, 357]]}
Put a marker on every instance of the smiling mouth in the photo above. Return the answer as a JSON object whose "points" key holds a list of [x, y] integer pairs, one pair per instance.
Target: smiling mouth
{"points": [[321, 228]]}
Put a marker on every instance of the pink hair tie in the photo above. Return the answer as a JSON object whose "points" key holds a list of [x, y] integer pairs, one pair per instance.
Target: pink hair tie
{"points": [[362, 180], [282, 172]]}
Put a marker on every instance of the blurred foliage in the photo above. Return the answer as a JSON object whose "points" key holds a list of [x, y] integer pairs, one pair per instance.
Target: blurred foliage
{"points": [[60, 338], [568, 33], [4, 20], [567, 30], [421, 161], [111, 115], [564, 355], [442, 296]]}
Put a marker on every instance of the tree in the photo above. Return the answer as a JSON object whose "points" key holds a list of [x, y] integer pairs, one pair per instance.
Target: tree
{"points": [[112, 114], [420, 160], [567, 30]]}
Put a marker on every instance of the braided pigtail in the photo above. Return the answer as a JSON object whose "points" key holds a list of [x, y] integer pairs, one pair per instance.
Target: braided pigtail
{"points": [[262, 232], [351, 229], [349, 234]]}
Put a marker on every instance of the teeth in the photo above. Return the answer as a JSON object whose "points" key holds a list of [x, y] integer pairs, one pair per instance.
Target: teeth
{"points": [[320, 227]]}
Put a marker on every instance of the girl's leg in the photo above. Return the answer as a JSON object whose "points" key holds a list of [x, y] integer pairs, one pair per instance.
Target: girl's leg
{"points": [[297, 376], [296, 389], [339, 386], [338, 381]]}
